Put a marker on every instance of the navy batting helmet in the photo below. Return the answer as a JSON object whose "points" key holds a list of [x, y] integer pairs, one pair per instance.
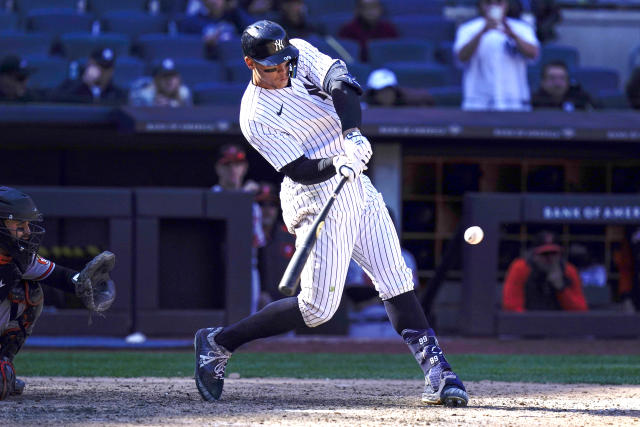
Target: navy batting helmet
{"points": [[266, 42]]}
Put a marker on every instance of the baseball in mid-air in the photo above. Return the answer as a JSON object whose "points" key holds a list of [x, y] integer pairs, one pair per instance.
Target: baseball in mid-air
{"points": [[473, 235]]}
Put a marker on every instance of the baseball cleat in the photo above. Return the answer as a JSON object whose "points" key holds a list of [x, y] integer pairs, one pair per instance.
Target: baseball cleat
{"points": [[211, 361], [442, 386], [18, 388]]}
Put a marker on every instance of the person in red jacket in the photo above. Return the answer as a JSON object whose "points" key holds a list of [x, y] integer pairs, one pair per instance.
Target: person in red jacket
{"points": [[543, 280], [366, 25]]}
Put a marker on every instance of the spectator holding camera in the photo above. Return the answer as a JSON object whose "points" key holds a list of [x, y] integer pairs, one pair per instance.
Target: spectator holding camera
{"points": [[557, 92], [165, 89], [95, 85], [543, 280], [494, 50]]}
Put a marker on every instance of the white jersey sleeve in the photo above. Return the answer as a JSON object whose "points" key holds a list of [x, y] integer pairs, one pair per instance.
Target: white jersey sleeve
{"points": [[278, 147], [39, 269], [312, 63]]}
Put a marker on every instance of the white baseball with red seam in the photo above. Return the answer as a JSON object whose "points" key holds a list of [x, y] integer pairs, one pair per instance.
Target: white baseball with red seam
{"points": [[473, 235]]}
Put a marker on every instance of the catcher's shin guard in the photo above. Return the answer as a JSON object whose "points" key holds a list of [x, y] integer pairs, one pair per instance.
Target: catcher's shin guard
{"points": [[211, 361], [442, 385], [7, 379], [26, 306]]}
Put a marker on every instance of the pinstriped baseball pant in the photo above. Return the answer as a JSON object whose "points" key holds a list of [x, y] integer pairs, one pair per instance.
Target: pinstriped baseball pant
{"points": [[358, 225]]}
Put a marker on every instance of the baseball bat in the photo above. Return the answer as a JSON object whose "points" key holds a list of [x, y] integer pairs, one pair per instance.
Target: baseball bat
{"points": [[291, 278]]}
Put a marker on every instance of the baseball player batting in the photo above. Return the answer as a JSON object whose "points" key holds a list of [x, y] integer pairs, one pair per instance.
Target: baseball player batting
{"points": [[301, 112]]}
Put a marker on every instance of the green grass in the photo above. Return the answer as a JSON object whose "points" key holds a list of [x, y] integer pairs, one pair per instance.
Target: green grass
{"points": [[605, 369]]}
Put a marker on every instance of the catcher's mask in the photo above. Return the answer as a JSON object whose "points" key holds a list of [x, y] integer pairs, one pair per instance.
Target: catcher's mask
{"points": [[18, 206], [266, 42]]}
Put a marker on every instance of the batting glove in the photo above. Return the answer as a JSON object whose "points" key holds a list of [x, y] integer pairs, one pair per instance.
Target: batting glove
{"points": [[357, 147], [346, 167]]}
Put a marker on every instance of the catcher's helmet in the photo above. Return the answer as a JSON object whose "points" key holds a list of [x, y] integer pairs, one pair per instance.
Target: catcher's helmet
{"points": [[266, 42], [18, 206]]}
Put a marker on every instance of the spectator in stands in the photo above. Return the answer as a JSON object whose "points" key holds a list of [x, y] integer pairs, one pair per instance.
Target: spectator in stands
{"points": [[543, 280], [633, 89], [216, 21], [14, 74], [627, 261], [494, 50], [548, 15], [232, 167], [556, 91], [367, 24], [293, 18], [164, 89], [95, 86], [383, 91]]}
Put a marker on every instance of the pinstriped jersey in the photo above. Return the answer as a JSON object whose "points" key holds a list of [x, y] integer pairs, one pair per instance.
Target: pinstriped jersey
{"points": [[300, 119]]}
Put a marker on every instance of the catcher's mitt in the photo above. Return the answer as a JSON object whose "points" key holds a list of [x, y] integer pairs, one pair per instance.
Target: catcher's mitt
{"points": [[94, 285]]}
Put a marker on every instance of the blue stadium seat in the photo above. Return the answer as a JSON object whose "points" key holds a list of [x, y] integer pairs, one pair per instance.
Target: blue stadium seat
{"points": [[80, 45], [360, 71], [8, 20], [596, 79], [20, 43], [133, 23], [157, 46], [218, 93], [533, 76], [332, 22], [195, 71], [230, 50], [420, 75], [58, 21], [319, 7], [400, 50], [555, 52], [421, 7], [49, 71], [127, 69], [172, 7], [100, 7], [444, 53], [447, 96], [613, 100], [23, 7], [237, 72], [426, 27]]}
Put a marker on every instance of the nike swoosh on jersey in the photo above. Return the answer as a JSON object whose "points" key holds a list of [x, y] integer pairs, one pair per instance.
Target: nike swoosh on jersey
{"points": [[280, 111]]}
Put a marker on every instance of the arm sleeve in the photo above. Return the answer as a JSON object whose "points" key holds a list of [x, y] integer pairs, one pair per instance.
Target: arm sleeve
{"points": [[60, 278], [310, 171], [513, 289], [572, 298]]}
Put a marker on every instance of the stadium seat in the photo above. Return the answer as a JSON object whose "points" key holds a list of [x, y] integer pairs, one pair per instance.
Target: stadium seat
{"points": [[400, 50], [613, 100], [196, 71], [419, 74], [237, 71], [172, 7], [100, 7], [319, 7], [332, 22], [533, 76], [20, 43], [133, 23], [444, 53], [126, 70], [447, 96], [49, 71], [596, 79], [360, 71], [230, 50], [426, 27], [8, 21], [58, 21], [555, 52], [407, 7], [23, 7], [218, 93], [80, 45], [153, 47]]}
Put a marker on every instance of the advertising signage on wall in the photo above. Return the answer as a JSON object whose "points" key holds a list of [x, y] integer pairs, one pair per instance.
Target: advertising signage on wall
{"points": [[595, 209]]}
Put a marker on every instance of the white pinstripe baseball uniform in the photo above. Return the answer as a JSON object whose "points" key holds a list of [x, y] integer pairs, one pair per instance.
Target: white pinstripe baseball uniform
{"points": [[300, 120]]}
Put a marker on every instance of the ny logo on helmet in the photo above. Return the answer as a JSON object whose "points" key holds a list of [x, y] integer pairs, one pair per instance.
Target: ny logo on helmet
{"points": [[279, 44]]}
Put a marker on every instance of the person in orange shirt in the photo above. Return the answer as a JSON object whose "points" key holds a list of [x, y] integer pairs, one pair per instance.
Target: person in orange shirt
{"points": [[543, 280]]}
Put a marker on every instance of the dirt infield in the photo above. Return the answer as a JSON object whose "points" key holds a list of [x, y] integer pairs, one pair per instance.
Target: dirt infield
{"points": [[162, 401]]}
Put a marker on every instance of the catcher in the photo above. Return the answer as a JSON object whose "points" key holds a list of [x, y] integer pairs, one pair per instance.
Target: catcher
{"points": [[22, 271]]}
